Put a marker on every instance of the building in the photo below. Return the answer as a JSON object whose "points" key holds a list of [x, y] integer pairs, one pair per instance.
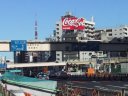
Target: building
{"points": [[73, 29], [113, 34], [74, 40]]}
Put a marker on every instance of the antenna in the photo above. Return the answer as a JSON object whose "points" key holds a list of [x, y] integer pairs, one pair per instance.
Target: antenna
{"points": [[36, 33], [92, 19]]}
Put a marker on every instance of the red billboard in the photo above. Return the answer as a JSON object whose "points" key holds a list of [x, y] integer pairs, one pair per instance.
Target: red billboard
{"points": [[71, 23]]}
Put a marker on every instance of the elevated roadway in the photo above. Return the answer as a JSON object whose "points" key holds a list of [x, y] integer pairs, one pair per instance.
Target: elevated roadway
{"points": [[115, 60], [36, 45], [39, 64]]}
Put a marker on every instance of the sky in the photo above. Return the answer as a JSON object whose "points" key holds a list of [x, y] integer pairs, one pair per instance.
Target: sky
{"points": [[17, 17]]}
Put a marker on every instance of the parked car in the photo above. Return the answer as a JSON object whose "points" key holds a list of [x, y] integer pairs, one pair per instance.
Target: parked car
{"points": [[43, 76], [59, 73]]}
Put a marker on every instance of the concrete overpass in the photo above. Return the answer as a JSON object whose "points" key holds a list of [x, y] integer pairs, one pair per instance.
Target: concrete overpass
{"points": [[41, 64], [38, 64], [36, 45]]}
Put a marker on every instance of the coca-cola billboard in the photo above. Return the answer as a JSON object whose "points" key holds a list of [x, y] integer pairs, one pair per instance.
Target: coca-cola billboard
{"points": [[71, 23]]}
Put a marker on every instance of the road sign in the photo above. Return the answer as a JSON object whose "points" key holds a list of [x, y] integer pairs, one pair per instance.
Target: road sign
{"points": [[3, 65], [18, 45]]}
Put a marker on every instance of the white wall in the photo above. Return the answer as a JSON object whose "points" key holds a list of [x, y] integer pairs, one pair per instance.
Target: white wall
{"points": [[59, 56], [4, 47], [84, 55], [32, 92], [38, 47], [60, 31], [124, 67]]}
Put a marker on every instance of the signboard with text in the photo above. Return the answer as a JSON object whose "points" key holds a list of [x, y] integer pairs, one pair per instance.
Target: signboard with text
{"points": [[72, 23], [3, 65], [18, 45]]}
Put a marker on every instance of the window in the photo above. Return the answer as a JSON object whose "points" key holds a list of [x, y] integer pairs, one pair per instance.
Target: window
{"points": [[58, 58], [90, 54], [57, 32], [57, 24], [125, 29], [100, 53], [57, 28], [58, 54], [110, 34], [125, 33], [109, 30]]}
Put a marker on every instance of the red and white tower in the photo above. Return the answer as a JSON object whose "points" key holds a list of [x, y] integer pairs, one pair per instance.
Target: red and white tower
{"points": [[36, 33]]}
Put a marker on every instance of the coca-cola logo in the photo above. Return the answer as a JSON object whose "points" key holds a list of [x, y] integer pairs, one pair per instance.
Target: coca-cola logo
{"points": [[73, 22]]}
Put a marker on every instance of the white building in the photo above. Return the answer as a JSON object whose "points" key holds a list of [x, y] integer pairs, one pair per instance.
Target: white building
{"points": [[78, 56], [74, 34], [109, 34]]}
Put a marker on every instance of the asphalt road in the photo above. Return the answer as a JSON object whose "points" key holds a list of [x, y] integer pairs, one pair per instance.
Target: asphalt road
{"points": [[100, 85], [110, 85]]}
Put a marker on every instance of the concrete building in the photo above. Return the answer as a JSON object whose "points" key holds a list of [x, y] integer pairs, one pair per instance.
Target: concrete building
{"points": [[75, 39], [31, 56], [108, 34], [73, 29]]}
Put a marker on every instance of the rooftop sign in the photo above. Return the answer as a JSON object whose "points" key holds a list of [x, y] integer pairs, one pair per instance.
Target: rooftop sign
{"points": [[71, 23]]}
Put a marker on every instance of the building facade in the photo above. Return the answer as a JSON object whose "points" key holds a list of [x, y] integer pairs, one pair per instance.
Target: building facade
{"points": [[75, 40], [73, 29], [110, 34]]}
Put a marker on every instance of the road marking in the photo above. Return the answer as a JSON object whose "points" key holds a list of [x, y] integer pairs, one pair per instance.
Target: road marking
{"points": [[95, 81]]}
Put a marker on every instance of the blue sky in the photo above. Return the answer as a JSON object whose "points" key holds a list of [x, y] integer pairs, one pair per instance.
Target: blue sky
{"points": [[17, 16]]}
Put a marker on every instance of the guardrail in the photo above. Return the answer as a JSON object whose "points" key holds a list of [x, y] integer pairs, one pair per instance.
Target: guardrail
{"points": [[115, 60], [38, 64], [72, 90], [104, 60]]}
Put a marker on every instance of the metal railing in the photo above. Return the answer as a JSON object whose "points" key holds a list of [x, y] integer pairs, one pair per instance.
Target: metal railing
{"points": [[104, 60], [115, 60], [71, 90]]}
